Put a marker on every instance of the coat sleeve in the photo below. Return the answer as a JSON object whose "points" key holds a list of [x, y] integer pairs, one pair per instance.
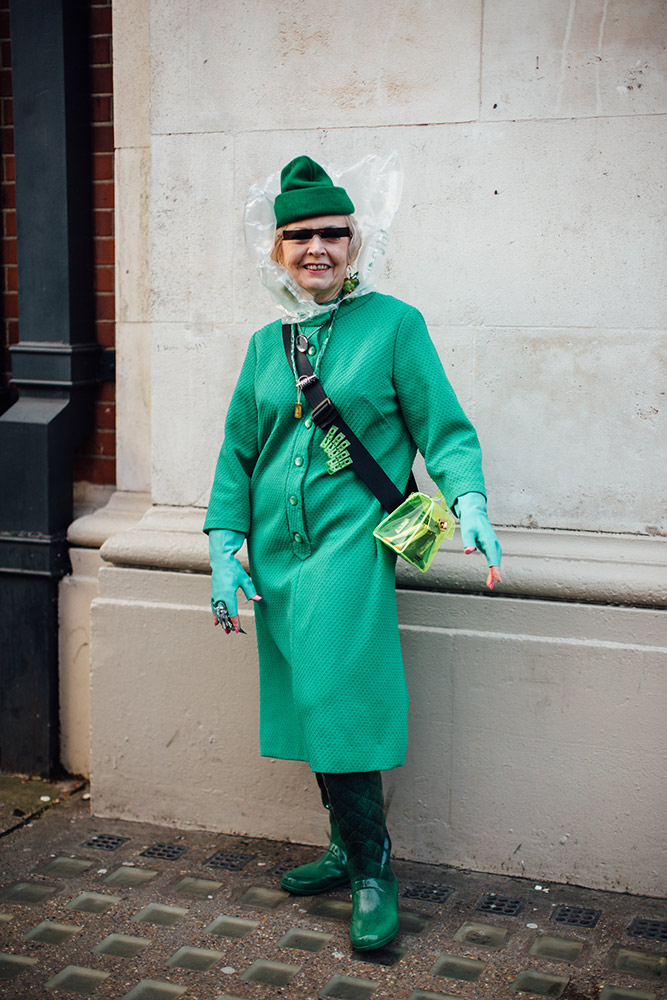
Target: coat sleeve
{"points": [[433, 414], [229, 506]]}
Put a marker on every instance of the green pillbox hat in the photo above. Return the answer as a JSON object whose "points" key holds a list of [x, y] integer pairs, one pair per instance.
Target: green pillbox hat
{"points": [[306, 191]]}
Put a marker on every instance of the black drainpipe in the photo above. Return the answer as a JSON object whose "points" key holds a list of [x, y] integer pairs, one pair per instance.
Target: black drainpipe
{"points": [[54, 366]]}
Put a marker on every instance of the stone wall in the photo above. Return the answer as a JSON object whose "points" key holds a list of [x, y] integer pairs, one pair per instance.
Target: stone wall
{"points": [[530, 235]]}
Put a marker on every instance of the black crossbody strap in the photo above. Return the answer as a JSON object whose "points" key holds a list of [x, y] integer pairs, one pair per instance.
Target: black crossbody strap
{"points": [[325, 414]]}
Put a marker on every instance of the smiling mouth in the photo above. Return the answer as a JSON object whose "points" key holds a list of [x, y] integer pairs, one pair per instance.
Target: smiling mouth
{"points": [[316, 267]]}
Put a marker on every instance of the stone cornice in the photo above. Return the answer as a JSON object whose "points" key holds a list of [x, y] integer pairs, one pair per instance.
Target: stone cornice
{"points": [[537, 563]]}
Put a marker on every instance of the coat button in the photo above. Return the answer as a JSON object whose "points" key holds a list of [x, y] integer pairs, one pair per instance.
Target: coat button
{"points": [[298, 460], [294, 501], [312, 350], [308, 422], [297, 537]]}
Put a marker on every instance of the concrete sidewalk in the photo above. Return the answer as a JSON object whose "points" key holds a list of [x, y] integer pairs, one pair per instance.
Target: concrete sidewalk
{"points": [[132, 911]]}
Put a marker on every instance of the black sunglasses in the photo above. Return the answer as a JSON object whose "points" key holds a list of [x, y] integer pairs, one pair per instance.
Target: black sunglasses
{"points": [[330, 234]]}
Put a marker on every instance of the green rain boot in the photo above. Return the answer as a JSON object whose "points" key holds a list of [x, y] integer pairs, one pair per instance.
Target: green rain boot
{"points": [[358, 806], [328, 871]]}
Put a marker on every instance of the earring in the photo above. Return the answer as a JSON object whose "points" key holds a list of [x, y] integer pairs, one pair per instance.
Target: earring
{"points": [[351, 281]]}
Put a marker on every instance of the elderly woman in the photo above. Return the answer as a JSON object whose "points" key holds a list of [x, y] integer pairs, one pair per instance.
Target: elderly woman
{"points": [[332, 686]]}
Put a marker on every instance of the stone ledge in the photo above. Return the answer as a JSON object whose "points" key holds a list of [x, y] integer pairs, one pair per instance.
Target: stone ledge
{"points": [[557, 565], [165, 538], [121, 513]]}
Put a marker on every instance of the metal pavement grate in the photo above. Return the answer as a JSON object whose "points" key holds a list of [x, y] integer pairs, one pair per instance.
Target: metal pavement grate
{"points": [[165, 852], [428, 891], [575, 916], [231, 862], [105, 842], [654, 930], [509, 906], [280, 869]]}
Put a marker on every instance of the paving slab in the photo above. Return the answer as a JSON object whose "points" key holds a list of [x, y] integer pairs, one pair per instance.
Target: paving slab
{"points": [[119, 910]]}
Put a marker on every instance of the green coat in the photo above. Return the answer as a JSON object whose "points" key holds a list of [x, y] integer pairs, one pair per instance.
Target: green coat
{"points": [[332, 686]]}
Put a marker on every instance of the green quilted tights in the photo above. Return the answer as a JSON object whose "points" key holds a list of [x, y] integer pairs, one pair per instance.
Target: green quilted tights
{"points": [[357, 804]]}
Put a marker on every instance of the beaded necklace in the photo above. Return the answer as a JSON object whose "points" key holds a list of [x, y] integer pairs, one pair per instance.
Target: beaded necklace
{"points": [[298, 409]]}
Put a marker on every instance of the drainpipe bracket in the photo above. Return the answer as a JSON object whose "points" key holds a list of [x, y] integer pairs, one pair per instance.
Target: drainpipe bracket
{"points": [[55, 365], [34, 555]]}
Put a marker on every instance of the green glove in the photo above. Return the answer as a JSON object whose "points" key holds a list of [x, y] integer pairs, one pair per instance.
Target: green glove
{"points": [[476, 530], [227, 572]]}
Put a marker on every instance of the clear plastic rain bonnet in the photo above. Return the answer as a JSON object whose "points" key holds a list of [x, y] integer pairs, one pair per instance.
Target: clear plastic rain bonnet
{"points": [[374, 184]]}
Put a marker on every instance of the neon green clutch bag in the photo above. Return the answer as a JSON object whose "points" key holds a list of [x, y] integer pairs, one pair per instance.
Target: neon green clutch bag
{"points": [[417, 528]]}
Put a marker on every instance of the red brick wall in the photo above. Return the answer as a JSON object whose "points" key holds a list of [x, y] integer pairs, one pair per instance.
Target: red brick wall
{"points": [[96, 460]]}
